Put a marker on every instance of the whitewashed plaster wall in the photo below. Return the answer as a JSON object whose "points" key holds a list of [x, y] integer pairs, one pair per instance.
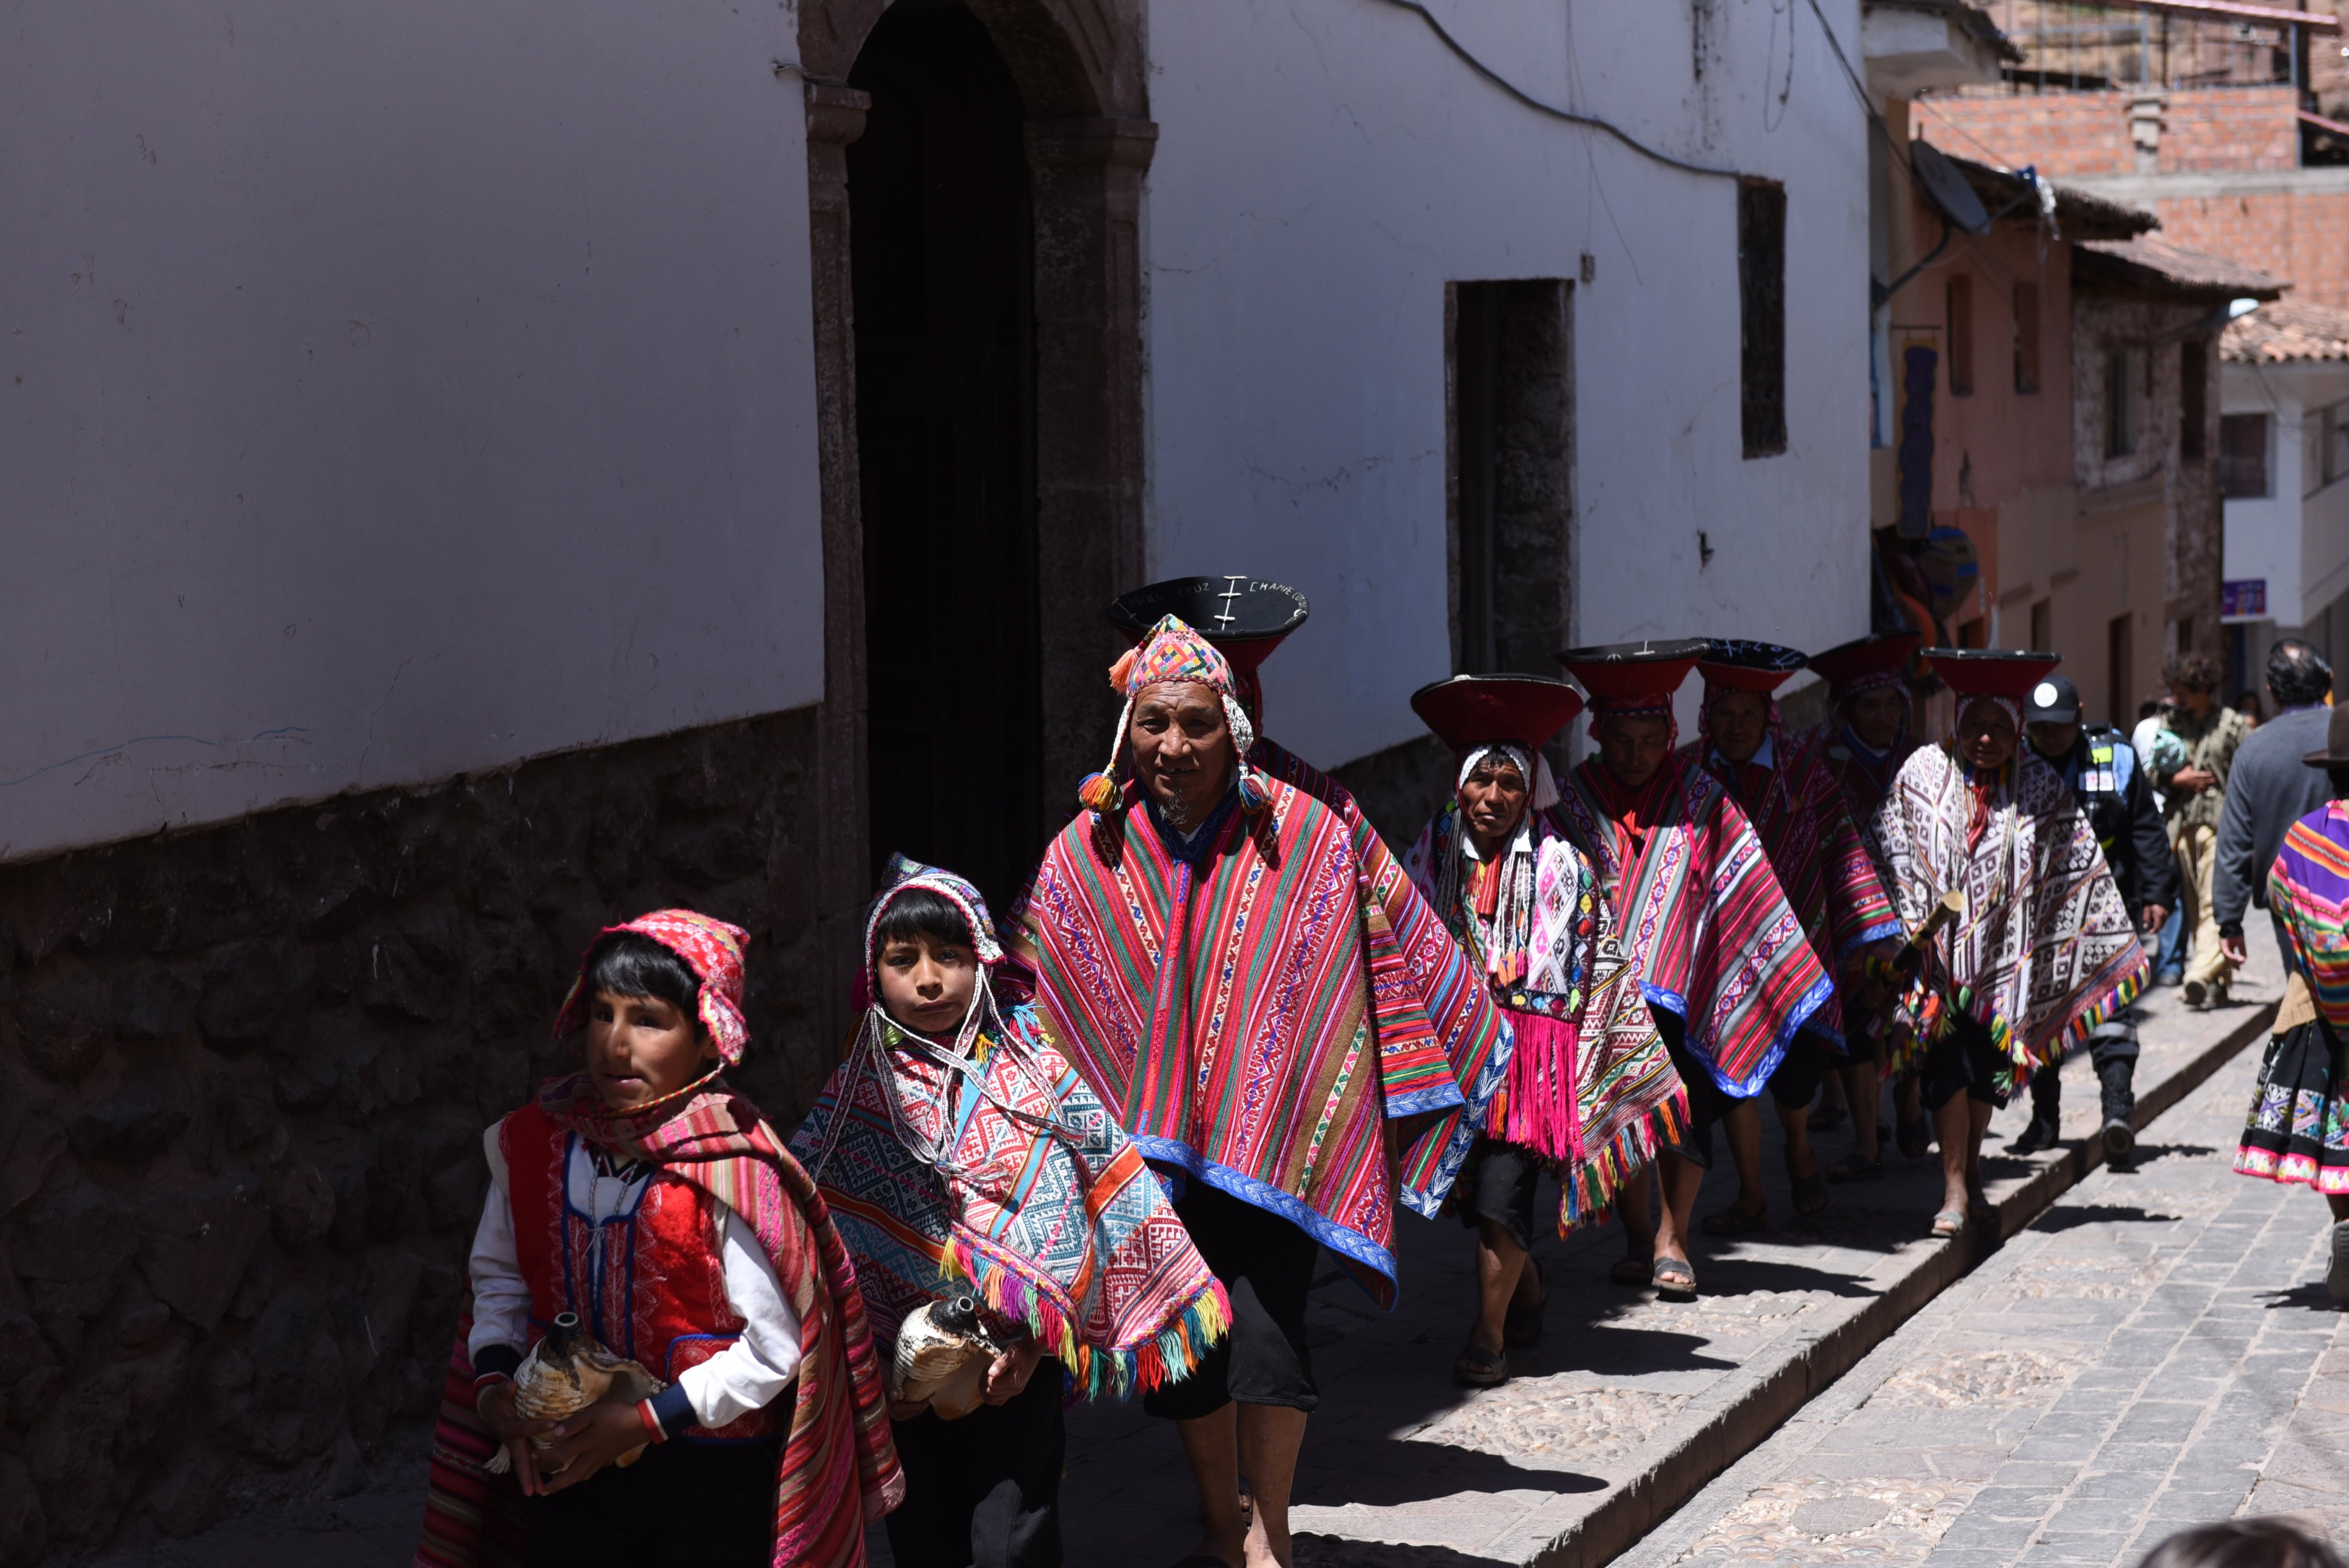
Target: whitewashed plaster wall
{"points": [[388, 392], [2297, 538], [1324, 167]]}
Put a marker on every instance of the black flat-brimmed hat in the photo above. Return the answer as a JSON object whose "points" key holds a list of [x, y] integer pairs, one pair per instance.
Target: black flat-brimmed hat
{"points": [[1744, 664], [1244, 617], [2336, 742]]}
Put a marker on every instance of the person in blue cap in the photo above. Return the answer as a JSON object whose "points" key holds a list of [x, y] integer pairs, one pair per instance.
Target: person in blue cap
{"points": [[2100, 765]]}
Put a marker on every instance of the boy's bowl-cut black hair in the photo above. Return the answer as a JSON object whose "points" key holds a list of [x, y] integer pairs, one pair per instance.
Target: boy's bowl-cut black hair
{"points": [[919, 912], [630, 964]]}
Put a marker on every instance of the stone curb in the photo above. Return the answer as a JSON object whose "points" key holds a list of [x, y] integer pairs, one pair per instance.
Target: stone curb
{"points": [[1719, 1427]]}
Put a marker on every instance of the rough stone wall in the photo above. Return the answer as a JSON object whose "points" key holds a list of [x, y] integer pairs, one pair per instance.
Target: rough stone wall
{"points": [[2192, 527], [244, 1076]]}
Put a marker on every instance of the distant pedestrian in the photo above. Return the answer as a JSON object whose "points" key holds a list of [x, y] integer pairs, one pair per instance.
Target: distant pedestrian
{"points": [[2198, 794], [2298, 1130], [2270, 790], [2100, 767], [2265, 1542], [2161, 753], [2045, 950], [2247, 703]]}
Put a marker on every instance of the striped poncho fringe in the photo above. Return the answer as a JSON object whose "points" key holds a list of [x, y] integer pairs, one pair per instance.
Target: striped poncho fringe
{"points": [[1239, 1019], [2046, 950], [473, 1518], [2308, 886], [1583, 1033], [1434, 978], [1704, 921], [1065, 1229], [1818, 857]]}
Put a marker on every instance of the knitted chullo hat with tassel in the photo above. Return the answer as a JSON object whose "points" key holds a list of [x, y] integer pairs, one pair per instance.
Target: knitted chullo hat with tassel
{"points": [[1171, 654]]}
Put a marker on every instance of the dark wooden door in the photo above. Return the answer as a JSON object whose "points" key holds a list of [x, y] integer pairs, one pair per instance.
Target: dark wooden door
{"points": [[941, 248]]}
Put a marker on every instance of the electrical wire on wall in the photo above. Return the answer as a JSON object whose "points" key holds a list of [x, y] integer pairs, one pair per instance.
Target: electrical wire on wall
{"points": [[1572, 118]]}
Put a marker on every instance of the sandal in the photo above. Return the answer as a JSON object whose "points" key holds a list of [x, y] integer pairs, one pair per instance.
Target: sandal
{"points": [[1674, 1279], [1634, 1272], [1825, 1118], [1914, 1137], [1735, 1221], [1522, 1325], [1949, 1222], [1852, 1168], [1810, 1193], [1478, 1367]]}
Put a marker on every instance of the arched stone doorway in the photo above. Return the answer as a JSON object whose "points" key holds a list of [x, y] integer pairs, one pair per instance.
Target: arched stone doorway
{"points": [[1078, 69]]}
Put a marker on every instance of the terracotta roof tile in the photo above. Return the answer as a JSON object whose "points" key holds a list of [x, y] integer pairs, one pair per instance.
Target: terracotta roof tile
{"points": [[2286, 331]]}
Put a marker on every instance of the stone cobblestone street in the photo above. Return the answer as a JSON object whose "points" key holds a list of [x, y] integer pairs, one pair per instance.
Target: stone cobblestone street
{"points": [[2157, 1350]]}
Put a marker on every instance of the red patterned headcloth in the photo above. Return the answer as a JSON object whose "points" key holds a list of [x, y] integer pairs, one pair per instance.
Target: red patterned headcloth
{"points": [[712, 947], [1174, 651]]}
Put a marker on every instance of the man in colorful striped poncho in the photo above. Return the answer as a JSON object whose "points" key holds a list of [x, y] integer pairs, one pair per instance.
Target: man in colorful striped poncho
{"points": [[1591, 1093], [1863, 743], [1817, 854], [2044, 950], [1719, 955], [1201, 940]]}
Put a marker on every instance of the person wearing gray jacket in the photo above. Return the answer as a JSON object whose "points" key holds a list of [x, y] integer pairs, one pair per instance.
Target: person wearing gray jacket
{"points": [[2270, 790]]}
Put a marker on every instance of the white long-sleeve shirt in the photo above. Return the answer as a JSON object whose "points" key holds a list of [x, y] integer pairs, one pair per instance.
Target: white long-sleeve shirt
{"points": [[746, 1376]]}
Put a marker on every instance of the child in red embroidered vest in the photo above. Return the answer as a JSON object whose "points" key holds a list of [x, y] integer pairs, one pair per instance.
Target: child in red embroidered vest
{"points": [[962, 1155], [655, 1203]]}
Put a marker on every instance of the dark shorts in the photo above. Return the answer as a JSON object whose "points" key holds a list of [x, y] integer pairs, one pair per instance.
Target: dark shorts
{"points": [[1266, 1267], [1796, 1080], [1706, 1102], [1499, 1182], [1965, 1060], [681, 1505]]}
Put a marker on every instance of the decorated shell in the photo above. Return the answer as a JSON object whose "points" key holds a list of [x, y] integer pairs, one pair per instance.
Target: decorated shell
{"points": [[942, 1358], [566, 1372]]}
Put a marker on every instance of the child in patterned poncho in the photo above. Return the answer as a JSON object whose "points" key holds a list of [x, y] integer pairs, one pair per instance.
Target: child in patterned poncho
{"points": [[959, 1154]]}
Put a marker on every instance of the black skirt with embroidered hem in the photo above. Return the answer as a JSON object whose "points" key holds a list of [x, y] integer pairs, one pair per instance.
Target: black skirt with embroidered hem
{"points": [[2298, 1130]]}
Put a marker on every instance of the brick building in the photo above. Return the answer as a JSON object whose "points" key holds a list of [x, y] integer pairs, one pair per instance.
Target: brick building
{"points": [[2226, 128]]}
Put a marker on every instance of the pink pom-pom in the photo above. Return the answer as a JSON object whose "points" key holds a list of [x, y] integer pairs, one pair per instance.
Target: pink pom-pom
{"points": [[1255, 794], [1099, 792]]}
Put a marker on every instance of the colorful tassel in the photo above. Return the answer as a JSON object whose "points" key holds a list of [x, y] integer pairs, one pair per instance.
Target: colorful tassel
{"points": [[1175, 1352], [1100, 793], [1254, 793]]}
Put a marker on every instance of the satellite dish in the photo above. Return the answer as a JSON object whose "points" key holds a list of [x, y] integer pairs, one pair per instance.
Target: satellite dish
{"points": [[1948, 187]]}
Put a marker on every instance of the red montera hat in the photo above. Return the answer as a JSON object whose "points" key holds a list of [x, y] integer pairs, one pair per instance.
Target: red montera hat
{"points": [[1865, 663], [1748, 665], [1634, 678], [1245, 617], [1469, 710], [1983, 672]]}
